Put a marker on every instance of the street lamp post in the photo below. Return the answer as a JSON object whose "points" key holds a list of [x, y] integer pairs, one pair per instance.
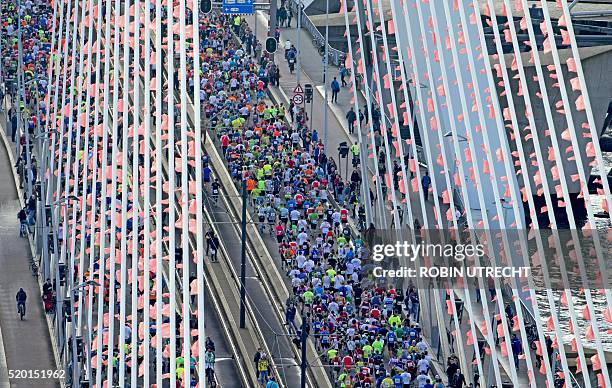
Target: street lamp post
{"points": [[76, 370], [243, 256], [300, 7], [59, 324], [325, 64], [21, 88]]}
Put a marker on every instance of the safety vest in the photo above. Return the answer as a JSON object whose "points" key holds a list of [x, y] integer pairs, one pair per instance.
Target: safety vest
{"points": [[355, 150]]}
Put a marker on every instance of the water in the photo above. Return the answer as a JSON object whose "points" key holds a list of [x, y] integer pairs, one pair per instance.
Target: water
{"points": [[578, 298]]}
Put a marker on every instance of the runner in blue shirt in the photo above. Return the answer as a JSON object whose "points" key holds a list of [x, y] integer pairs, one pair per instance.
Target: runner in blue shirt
{"points": [[206, 172]]}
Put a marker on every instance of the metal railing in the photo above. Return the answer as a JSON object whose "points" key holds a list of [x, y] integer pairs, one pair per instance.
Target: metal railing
{"points": [[336, 57]]}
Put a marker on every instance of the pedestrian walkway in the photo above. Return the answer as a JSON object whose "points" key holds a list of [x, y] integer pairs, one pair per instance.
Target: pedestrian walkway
{"points": [[26, 343]]}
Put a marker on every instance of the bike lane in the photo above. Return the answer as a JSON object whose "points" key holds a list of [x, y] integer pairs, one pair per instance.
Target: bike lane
{"points": [[27, 345]]}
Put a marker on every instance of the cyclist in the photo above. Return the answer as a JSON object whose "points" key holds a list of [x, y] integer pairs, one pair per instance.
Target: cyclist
{"points": [[21, 300]]}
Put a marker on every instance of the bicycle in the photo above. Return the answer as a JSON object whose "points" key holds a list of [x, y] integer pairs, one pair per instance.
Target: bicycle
{"points": [[21, 309]]}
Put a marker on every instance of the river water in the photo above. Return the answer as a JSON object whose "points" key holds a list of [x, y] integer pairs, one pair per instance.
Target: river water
{"points": [[578, 298]]}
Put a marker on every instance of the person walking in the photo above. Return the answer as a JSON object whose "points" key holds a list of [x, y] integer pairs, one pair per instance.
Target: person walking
{"points": [[426, 182], [263, 368], [282, 16], [272, 383], [23, 221], [209, 365], [335, 88], [343, 73], [517, 349], [258, 356], [351, 117]]}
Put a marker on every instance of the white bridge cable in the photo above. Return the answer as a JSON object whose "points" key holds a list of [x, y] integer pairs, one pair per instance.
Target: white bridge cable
{"points": [[395, 116], [529, 197], [171, 185], [114, 193], [383, 129], [64, 171], [462, 183], [512, 193], [521, 155], [452, 299], [411, 46], [573, 132], [101, 329], [159, 150], [184, 174], [137, 237], [53, 118], [559, 163], [148, 111], [123, 189], [454, 112], [472, 224], [198, 195], [412, 137], [93, 249], [76, 212]]}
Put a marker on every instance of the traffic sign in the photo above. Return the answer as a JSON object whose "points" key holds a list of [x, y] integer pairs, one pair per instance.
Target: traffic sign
{"points": [[238, 7], [298, 89], [298, 99]]}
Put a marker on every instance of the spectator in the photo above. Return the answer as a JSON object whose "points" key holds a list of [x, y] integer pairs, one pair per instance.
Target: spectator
{"points": [[426, 182], [351, 117], [263, 366], [343, 73], [23, 220], [335, 88], [272, 383], [517, 349]]}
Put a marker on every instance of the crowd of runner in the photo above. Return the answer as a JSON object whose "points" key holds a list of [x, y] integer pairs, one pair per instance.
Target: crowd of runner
{"points": [[368, 333]]}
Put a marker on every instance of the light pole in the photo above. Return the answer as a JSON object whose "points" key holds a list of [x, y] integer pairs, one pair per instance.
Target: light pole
{"points": [[300, 7], [76, 371], [325, 64], [22, 85], [243, 256], [59, 325]]}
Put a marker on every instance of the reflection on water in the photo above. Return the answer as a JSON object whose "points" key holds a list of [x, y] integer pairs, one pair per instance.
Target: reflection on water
{"points": [[578, 298]]}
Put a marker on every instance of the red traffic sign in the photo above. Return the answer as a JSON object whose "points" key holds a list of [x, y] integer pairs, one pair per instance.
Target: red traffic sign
{"points": [[298, 99], [298, 89]]}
